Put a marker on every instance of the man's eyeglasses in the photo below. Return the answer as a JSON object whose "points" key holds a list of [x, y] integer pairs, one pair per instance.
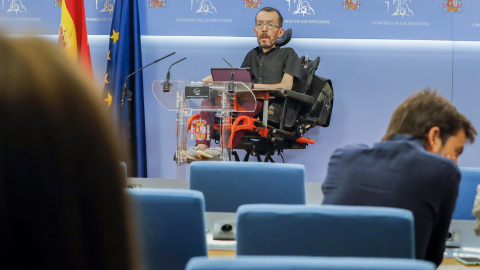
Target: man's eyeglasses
{"points": [[259, 25]]}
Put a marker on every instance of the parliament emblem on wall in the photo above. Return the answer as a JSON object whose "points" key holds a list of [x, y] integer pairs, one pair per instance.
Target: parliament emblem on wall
{"points": [[452, 6], [157, 3], [301, 7], [13, 6], [399, 8], [252, 3], [204, 6], [105, 5], [351, 4]]}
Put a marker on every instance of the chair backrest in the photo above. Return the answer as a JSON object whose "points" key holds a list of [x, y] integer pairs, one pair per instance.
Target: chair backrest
{"points": [[299, 114], [326, 230], [305, 75], [171, 226], [227, 185], [321, 89], [466, 193], [301, 84], [307, 263]]}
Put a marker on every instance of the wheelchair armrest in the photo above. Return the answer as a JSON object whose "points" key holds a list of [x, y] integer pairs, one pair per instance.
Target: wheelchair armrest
{"points": [[305, 99]]}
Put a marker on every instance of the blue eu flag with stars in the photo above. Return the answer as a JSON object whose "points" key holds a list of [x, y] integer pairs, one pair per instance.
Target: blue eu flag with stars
{"points": [[125, 57]]}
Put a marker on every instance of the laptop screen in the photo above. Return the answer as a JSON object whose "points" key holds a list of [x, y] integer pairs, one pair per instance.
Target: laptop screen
{"points": [[225, 74]]}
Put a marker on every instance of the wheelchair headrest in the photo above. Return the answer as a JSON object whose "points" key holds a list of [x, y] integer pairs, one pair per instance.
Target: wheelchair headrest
{"points": [[285, 38]]}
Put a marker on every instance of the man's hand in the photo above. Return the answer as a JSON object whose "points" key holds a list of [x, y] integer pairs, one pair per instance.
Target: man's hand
{"points": [[209, 78]]}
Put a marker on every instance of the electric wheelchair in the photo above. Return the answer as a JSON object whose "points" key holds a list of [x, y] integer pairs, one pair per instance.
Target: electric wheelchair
{"points": [[291, 113]]}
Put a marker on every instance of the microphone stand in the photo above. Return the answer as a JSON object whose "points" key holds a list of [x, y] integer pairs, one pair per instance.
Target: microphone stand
{"points": [[166, 86], [128, 94], [227, 113], [231, 85]]}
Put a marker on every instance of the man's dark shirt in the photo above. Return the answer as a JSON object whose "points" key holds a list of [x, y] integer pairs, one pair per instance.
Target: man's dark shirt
{"points": [[398, 173], [269, 67]]}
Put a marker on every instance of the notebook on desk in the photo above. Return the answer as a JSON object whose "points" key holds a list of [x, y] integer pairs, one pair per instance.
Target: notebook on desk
{"points": [[225, 75]]}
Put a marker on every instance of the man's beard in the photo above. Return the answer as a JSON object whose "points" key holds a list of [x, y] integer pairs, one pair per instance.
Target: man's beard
{"points": [[266, 46], [270, 44]]}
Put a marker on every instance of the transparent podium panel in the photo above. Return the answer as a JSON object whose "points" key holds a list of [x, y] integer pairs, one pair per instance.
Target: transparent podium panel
{"points": [[187, 97]]}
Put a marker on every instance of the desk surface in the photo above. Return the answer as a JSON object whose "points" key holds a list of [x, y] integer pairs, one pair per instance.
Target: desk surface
{"points": [[453, 264], [221, 253], [447, 264]]}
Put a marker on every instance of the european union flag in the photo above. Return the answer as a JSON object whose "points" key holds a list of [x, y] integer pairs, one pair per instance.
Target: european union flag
{"points": [[125, 57]]}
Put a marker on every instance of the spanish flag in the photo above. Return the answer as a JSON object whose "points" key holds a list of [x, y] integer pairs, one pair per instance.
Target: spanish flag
{"points": [[72, 34]]}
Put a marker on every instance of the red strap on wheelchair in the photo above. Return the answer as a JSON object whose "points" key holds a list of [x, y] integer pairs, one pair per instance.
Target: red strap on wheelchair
{"points": [[247, 124]]}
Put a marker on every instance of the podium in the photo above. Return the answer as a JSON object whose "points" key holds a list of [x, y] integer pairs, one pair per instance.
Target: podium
{"points": [[185, 97]]}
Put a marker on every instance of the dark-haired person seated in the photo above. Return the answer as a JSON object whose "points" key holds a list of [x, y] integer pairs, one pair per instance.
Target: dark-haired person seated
{"points": [[414, 167], [271, 67], [62, 203]]}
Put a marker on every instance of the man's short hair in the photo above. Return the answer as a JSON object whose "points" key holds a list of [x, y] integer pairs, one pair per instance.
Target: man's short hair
{"points": [[425, 109], [271, 9]]}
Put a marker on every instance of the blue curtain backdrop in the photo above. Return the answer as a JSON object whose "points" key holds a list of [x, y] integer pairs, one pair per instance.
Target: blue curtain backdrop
{"points": [[125, 57]]}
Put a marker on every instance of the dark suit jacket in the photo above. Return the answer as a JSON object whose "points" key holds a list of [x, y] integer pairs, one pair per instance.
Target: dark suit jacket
{"points": [[398, 173]]}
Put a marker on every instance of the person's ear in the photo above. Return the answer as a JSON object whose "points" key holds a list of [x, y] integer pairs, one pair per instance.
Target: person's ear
{"points": [[433, 142], [280, 33]]}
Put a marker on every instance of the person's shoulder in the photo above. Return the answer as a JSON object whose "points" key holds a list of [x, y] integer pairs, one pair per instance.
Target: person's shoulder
{"points": [[288, 50], [439, 172], [416, 151], [247, 61], [443, 165], [350, 149], [252, 51], [428, 165]]}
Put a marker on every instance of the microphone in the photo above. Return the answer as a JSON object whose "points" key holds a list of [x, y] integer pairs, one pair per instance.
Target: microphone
{"points": [[166, 86], [125, 89], [232, 88]]}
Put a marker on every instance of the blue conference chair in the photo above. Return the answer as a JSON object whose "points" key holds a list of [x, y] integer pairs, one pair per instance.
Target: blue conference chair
{"points": [[466, 193], [327, 230], [227, 185], [170, 225], [307, 263]]}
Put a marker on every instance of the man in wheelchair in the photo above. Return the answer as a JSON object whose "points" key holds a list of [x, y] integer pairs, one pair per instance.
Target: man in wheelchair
{"points": [[302, 100], [271, 67]]}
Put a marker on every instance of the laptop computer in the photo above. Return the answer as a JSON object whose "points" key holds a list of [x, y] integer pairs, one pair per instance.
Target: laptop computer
{"points": [[225, 74]]}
